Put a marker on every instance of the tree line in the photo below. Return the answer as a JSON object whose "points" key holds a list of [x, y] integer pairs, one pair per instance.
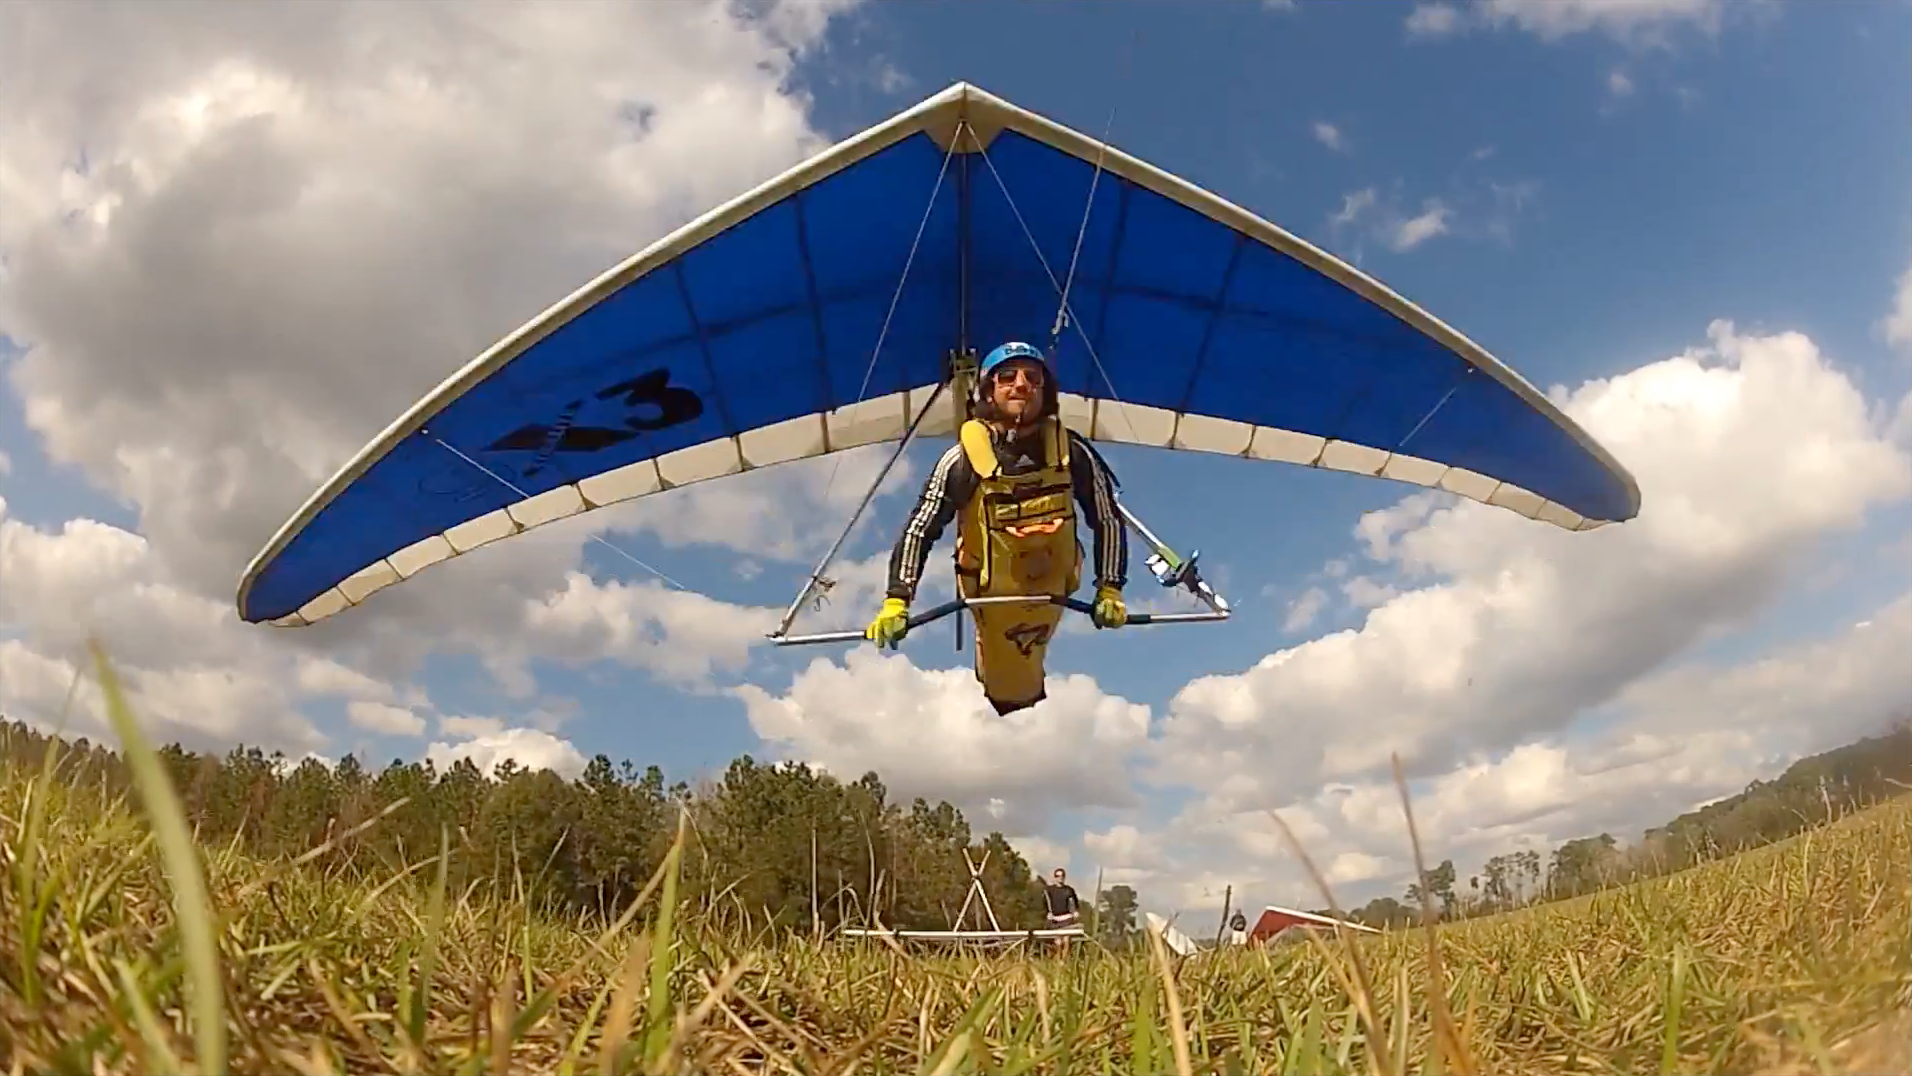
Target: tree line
{"points": [[788, 847], [1812, 792], [780, 846]]}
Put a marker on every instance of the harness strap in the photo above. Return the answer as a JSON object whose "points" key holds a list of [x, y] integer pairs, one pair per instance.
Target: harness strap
{"points": [[980, 447]]}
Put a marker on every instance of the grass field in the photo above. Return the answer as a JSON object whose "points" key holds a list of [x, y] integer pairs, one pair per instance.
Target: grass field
{"points": [[149, 958]]}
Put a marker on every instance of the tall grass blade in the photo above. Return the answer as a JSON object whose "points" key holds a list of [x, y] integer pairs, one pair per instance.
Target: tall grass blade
{"points": [[192, 907]]}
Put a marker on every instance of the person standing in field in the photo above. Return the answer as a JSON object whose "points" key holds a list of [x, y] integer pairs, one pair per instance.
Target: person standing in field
{"points": [[1065, 908]]}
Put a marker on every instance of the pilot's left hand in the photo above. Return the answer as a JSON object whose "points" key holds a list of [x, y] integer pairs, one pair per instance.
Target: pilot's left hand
{"points": [[1109, 610]]}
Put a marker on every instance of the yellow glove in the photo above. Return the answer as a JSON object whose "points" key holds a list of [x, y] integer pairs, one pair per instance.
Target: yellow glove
{"points": [[890, 625], [1109, 610]]}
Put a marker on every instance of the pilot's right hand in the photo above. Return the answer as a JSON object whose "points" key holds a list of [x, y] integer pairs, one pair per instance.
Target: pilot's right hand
{"points": [[890, 625]]}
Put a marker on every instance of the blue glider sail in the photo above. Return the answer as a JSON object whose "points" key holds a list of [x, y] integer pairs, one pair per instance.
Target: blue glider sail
{"points": [[750, 337]]}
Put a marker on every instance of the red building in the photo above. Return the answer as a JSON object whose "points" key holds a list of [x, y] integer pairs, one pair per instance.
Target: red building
{"points": [[1275, 921]]}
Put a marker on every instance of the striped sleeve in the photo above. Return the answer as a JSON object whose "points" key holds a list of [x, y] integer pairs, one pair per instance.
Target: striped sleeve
{"points": [[950, 483], [1095, 492]]}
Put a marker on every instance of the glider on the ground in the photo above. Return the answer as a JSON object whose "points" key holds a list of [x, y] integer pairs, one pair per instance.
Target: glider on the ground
{"points": [[841, 305]]}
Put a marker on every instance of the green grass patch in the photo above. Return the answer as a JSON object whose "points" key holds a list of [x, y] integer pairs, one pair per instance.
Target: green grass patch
{"points": [[130, 948]]}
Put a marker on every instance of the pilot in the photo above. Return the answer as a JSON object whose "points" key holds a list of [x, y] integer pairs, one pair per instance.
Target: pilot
{"points": [[1015, 478]]}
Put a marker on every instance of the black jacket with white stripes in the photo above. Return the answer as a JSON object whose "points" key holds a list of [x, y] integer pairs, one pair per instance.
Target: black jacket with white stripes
{"points": [[953, 481]]}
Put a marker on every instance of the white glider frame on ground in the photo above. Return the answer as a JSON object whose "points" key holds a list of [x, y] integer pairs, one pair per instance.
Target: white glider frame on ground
{"points": [[977, 895]]}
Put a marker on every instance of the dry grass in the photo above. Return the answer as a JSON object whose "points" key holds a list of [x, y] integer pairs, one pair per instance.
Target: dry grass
{"points": [[127, 949]]}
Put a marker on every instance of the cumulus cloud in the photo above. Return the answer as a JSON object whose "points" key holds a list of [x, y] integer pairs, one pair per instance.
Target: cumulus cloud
{"points": [[931, 733], [1677, 740], [1502, 630], [1044, 855], [1330, 136], [384, 718], [681, 635], [1127, 855], [1802, 699], [319, 675], [470, 727], [183, 674], [202, 706], [1896, 326], [530, 749], [232, 261], [1303, 610]]}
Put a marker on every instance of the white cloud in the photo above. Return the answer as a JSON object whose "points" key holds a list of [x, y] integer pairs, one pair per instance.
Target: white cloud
{"points": [[1353, 205], [384, 718], [1490, 210], [203, 707], [1619, 83], [1364, 592], [1044, 855], [680, 635], [1303, 610], [470, 727], [1126, 855], [1896, 326], [1430, 222], [1801, 699], [931, 733], [1631, 21], [185, 672], [1330, 136], [531, 749], [318, 675], [1433, 20], [259, 205], [1504, 630], [1551, 20], [1680, 738]]}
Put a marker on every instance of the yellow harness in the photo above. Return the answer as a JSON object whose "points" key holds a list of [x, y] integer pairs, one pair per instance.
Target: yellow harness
{"points": [[1017, 534]]}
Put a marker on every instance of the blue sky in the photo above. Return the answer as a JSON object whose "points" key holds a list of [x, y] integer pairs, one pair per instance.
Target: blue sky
{"points": [[1606, 198]]}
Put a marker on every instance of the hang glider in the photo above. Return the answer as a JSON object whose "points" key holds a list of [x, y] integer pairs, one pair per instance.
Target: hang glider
{"points": [[775, 329]]}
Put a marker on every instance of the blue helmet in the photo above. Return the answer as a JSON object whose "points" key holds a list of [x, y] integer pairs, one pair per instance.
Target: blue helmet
{"points": [[1010, 352], [1014, 349]]}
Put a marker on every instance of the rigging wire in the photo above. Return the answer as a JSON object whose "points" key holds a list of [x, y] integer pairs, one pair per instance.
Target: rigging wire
{"points": [[895, 297], [599, 539], [817, 578], [1073, 321], [1065, 314], [1088, 204]]}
